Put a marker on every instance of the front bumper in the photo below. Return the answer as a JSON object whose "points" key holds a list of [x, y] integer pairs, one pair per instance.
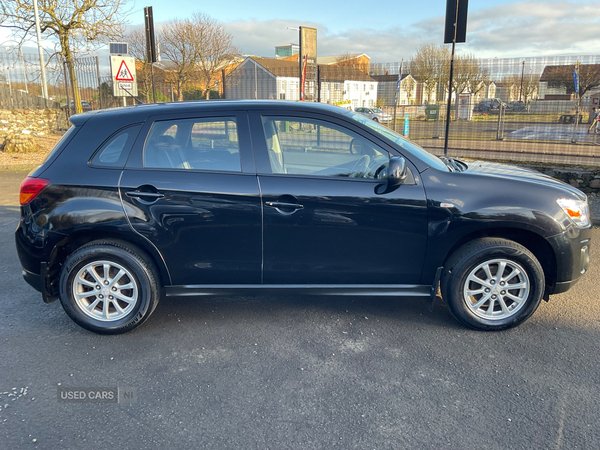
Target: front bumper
{"points": [[572, 250], [33, 279]]}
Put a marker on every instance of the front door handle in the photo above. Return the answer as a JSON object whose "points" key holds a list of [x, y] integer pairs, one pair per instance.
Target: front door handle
{"points": [[285, 205], [285, 208]]}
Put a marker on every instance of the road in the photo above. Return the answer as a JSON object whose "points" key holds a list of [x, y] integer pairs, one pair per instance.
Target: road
{"points": [[298, 373]]}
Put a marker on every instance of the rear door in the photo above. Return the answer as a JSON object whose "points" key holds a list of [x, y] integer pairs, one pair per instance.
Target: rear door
{"points": [[190, 188]]}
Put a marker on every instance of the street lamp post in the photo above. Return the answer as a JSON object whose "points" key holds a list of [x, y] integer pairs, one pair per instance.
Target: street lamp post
{"points": [[41, 53]]}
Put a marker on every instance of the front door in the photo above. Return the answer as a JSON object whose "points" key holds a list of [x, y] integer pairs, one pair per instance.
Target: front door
{"points": [[326, 218]]}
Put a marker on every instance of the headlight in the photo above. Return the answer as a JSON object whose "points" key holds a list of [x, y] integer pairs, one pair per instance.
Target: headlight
{"points": [[577, 210]]}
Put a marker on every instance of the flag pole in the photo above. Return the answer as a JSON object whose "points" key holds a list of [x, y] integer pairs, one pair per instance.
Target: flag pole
{"points": [[576, 82]]}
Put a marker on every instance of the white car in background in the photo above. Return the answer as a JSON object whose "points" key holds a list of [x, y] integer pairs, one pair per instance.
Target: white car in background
{"points": [[375, 114]]}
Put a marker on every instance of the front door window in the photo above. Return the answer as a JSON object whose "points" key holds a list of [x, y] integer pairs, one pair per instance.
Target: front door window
{"points": [[318, 148]]}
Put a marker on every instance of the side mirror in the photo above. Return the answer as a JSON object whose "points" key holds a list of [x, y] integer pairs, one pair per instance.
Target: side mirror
{"points": [[397, 171]]}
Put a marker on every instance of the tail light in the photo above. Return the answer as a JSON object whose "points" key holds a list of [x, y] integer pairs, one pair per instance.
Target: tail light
{"points": [[30, 189]]}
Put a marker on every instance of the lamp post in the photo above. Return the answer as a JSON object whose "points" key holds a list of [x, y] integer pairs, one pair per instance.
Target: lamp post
{"points": [[39, 42]]}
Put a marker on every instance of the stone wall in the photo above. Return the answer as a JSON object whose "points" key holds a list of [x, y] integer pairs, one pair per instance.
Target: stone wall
{"points": [[18, 127]]}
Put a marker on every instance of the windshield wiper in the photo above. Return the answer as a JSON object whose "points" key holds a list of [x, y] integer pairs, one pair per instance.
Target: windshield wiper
{"points": [[449, 163], [453, 164]]}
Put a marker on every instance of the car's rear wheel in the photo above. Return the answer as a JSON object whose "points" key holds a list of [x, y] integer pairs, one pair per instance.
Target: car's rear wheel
{"points": [[109, 287], [492, 284]]}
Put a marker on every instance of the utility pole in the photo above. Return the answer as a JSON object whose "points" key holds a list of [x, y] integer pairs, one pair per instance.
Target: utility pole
{"points": [[39, 42]]}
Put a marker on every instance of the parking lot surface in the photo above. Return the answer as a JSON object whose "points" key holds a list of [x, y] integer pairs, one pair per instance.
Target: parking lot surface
{"points": [[298, 373]]}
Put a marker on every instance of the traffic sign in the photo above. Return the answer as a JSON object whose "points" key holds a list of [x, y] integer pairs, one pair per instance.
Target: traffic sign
{"points": [[123, 76]]}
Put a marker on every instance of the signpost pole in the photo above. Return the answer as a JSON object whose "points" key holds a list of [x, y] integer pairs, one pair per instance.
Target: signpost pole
{"points": [[448, 111]]}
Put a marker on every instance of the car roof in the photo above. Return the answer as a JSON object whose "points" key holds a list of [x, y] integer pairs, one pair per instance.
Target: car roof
{"points": [[143, 111]]}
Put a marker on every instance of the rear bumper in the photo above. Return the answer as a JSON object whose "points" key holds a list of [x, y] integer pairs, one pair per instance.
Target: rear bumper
{"points": [[34, 246]]}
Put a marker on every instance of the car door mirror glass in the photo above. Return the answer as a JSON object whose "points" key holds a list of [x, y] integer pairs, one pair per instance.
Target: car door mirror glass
{"points": [[397, 171]]}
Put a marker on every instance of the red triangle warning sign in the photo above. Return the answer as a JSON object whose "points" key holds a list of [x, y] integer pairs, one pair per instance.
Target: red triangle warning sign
{"points": [[123, 74]]}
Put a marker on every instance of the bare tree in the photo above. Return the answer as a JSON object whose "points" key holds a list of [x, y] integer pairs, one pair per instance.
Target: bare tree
{"points": [[72, 23], [469, 75], [430, 66], [562, 76], [531, 86], [198, 48], [137, 49], [409, 87], [179, 45], [216, 50]]}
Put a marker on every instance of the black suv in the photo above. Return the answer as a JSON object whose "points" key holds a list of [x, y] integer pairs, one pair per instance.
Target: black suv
{"points": [[232, 197]]}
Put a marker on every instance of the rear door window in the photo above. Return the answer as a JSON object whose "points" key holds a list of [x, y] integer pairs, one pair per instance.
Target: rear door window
{"points": [[209, 144]]}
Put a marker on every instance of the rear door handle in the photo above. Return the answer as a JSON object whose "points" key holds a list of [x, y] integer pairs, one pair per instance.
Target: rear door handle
{"points": [[140, 194]]}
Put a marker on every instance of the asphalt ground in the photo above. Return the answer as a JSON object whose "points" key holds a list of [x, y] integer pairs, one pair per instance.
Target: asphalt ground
{"points": [[298, 373]]}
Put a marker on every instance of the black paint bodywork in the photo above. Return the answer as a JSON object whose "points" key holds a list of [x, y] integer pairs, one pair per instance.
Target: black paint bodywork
{"points": [[217, 233]]}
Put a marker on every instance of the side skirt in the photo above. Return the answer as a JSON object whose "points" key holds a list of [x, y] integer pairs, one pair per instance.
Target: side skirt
{"points": [[392, 290]]}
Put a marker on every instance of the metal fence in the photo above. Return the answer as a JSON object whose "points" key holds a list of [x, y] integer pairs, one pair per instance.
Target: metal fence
{"points": [[512, 109], [511, 106]]}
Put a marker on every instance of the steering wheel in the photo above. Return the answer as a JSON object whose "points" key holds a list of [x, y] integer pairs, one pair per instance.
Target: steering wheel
{"points": [[360, 166]]}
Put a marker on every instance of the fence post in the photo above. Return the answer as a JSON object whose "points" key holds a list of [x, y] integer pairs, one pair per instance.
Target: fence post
{"points": [[10, 91], [99, 83], [68, 105], [500, 130], [319, 87], [224, 86]]}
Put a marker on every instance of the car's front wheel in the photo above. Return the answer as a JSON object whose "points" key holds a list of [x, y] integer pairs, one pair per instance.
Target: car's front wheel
{"points": [[492, 284], [109, 287]]}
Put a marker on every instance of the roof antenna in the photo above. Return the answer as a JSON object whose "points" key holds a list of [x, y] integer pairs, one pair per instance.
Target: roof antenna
{"points": [[139, 102]]}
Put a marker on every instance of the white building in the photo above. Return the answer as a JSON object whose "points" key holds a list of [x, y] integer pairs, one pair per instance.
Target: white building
{"points": [[267, 78]]}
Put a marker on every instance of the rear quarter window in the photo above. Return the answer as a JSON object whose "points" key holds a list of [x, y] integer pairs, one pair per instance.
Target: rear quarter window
{"points": [[114, 151]]}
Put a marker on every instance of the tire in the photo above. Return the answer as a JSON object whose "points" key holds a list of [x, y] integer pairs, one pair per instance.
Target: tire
{"points": [[117, 303], [473, 288], [375, 119]]}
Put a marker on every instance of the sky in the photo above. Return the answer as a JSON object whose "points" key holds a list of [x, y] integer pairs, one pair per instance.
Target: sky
{"points": [[393, 30]]}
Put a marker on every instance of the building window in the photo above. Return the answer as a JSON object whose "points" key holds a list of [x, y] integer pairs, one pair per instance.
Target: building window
{"points": [[282, 96]]}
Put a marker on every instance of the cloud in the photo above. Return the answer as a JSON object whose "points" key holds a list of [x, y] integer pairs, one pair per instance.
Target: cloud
{"points": [[518, 29], [534, 28]]}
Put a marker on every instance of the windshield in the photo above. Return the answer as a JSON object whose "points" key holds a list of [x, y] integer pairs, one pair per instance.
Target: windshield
{"points": [[376, 110], [407, 145]]}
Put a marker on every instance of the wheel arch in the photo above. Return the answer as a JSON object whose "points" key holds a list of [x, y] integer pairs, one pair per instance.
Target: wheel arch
{"points": [[74, 241], [532, 241]]}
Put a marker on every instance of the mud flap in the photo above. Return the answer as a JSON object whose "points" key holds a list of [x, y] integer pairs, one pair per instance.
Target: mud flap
{"points": [[434, 287]]}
